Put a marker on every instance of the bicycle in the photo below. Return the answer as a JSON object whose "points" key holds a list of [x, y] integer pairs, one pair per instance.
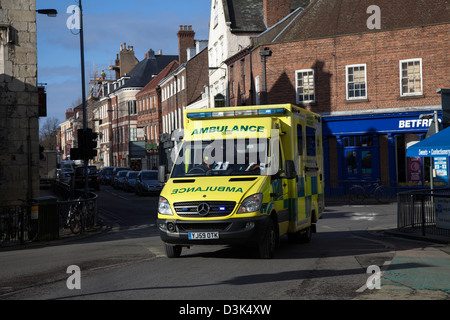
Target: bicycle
{"points": [[80, 216], [74, 217], [9, 225], [358, 193]]}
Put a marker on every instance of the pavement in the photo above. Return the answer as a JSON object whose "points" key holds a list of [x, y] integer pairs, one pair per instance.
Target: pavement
{"points": [[420, 267], [420, 272]]}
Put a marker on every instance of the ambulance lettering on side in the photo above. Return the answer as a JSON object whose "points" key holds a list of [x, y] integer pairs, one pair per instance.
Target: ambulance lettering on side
{"points": [[243, 175]]}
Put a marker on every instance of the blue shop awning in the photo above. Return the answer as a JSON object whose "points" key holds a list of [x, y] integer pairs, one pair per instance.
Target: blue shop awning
{"points": [[438, 145]]}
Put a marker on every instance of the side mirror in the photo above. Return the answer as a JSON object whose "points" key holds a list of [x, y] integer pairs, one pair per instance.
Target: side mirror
{"points": [[162, 173], [290, 169]]}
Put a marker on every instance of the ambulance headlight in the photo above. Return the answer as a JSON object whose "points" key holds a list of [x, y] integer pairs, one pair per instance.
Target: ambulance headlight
{"points": [[251, 203], [164, 207]]}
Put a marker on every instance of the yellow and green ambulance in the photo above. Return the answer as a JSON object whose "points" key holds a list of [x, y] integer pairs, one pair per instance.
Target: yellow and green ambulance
{"points": [[244, 175]]}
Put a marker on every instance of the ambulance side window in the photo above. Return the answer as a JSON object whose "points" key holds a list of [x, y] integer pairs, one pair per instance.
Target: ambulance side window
{"points": [[300, 139], [310, 141]]}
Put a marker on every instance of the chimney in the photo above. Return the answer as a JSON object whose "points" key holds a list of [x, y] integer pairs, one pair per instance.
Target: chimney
{"points": [[185, 41], [275, 11], [69, 113], [127, 60]]}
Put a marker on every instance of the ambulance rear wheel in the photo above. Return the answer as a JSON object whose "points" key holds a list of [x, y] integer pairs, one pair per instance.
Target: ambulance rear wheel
{"points": [[302, 236], [172, 251], [268, 244]]}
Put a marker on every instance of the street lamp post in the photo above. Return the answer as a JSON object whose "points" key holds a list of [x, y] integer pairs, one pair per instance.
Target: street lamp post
{"points": [[83, 97], [79, 26]]}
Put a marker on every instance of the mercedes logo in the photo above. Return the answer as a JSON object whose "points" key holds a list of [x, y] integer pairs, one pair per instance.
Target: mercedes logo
{"points": [[203, 209]]}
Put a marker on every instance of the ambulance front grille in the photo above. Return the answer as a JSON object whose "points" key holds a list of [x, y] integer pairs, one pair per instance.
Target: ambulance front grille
{"points": [[190, 209]]}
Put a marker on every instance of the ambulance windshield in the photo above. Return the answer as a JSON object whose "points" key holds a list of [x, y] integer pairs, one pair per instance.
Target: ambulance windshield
{"points": [[222, 158]]}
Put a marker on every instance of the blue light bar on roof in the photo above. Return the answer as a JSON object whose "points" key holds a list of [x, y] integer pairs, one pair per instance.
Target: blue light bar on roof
{"points": [[272, 111], [199, 115], [249, 112]]}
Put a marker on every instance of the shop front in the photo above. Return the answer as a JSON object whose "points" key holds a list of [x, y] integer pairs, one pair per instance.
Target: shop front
{"points": [[371, 147]]}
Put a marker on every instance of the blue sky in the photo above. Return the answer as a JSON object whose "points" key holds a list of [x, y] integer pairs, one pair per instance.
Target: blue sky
{"points": [[143, 24]]}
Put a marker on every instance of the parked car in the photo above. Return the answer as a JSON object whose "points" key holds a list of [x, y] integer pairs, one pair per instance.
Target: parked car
{"points": [[147, 183], [93, 178], [118, 179], [130, 181], [64, 175], [117, 169], [106, 175]]}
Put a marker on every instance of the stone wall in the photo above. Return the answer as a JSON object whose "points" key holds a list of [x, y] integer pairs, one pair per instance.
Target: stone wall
{"points": [[19, 125]]}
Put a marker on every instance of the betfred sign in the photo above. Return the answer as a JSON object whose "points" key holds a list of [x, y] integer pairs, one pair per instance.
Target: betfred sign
{"points": [[419, 123]]}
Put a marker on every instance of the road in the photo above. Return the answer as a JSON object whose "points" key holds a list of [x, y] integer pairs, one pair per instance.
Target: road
{"points": [[126, 260]]}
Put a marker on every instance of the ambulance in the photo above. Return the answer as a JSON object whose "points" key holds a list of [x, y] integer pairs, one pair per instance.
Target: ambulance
{"points": [[243, 176]]}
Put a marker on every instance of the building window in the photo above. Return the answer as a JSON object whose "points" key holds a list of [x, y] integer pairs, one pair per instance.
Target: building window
{"points": [[257, 91], [132, 107], [304, 80], [356, 80], [133, 134], [216, 14], [242, 76], [410, 77]]}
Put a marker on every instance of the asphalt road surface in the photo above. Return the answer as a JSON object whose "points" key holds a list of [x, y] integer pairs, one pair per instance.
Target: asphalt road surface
{"points": [[126, 260]]}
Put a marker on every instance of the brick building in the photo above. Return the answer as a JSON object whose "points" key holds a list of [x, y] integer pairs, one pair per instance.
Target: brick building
{"points": [[149, 116], [183, 86], [370, 85], [232, 24], [127, 151]]}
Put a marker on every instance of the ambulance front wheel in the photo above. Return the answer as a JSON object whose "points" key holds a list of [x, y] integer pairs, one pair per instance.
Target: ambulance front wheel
{"points": [[269, 242], [172, 251]]}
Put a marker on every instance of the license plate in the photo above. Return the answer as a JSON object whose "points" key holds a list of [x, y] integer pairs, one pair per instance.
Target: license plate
{"points": [[203, 235]]}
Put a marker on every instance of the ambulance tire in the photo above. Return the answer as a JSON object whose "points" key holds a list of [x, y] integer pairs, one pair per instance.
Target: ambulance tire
{"points": [[269, 242], [172, 251], [302, 236]]}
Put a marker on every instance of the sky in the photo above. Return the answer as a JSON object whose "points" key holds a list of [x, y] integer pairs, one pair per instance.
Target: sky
{"points": [[143, 24]]}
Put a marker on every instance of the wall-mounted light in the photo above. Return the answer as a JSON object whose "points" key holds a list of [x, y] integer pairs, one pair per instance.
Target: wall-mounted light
{"points": [[48, 12]]}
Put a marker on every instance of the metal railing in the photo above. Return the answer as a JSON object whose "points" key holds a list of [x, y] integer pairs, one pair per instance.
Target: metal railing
{"points": [[47, 218], [417, 211], [17, 224]]}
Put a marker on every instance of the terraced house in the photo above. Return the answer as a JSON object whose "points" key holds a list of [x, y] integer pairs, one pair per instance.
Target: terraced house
{"points": [[372, 73]]}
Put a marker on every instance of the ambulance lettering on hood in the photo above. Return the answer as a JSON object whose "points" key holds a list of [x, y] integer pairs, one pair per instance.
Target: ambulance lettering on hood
{"points": [[205, 189], [228, 130]]}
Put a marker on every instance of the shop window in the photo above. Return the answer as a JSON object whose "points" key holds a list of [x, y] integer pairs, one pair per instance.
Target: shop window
{"points": [[352, 166], [366, 162], [358, 141], [411, 171]]}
